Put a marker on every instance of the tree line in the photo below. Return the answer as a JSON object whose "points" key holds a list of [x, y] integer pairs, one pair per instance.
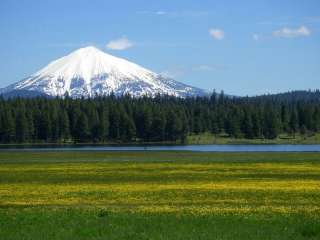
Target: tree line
{"points": [[163, 118]]}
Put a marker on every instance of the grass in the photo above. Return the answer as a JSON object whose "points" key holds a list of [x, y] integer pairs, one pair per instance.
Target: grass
{"points": [[203, 138], [208, 138], [159, 195]]}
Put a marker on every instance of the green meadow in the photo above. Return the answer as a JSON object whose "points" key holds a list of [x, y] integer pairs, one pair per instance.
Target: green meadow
{"points": [[209, 138], [159, 195]]}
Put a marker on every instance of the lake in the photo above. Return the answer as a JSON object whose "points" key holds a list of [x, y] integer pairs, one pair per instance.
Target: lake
{"points": [[193, 148]]}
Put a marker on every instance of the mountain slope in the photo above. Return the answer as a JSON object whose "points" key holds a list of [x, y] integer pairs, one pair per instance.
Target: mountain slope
{"points": [[88, 72]]}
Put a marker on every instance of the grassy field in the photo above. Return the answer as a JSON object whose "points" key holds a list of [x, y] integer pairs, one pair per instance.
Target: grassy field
{"points": [[159, 195], [208, 138], [203, 138]]}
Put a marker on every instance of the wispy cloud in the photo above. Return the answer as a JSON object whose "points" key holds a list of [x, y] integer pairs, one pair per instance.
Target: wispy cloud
{"points": [[164, 44], [120, 44], [285, 20], [182, 13], [313, 19], [207, 68], [286, 32], [216, 33], [174, 72], [179, 71], [161, 13]]}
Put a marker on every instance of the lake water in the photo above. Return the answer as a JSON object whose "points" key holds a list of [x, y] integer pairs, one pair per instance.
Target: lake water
{"points": [[193, 148]]}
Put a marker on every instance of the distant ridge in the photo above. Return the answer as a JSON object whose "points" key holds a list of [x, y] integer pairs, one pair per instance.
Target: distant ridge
{"points": [[293, 96]]}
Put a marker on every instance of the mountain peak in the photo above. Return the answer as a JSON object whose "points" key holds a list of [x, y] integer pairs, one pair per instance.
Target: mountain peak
{"points": [[88, 50], [89, 72]]}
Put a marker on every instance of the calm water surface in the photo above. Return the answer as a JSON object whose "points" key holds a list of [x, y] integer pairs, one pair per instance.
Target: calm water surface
{"points": [[193, 148]]}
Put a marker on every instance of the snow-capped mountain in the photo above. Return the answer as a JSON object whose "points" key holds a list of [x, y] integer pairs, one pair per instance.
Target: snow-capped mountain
{"points": [[89, 72]]}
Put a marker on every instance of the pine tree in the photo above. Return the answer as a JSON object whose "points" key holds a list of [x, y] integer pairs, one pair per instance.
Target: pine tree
{"points": [[197, 122], [30, 126], [285, 118], [158, 126], [21, 126], [128, 128], [247, 126], [64, 125], [114, 124], [184, 128], [104, 124], [147, 123], [233, 124], [82, 126], [8, 131], [163, 118], [54, 119], [256, 126], [94, 123], [173, 126], [272, 125], [316, 119], [294, 122], [214, 126], [44, 126]]}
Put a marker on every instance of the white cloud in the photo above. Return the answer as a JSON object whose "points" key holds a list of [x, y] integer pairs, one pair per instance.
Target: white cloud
{"points": [[292, 32], [216, 33], [120, 44]]}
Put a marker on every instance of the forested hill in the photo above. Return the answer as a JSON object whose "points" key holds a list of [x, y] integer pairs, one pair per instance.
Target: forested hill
{"points": [[126, 119], [293, 96]]}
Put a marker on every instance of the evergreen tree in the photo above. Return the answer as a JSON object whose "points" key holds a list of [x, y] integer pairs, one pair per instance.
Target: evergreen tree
{"points": [[44, 125], [173, 126], [128, 128], [82, 133], [247, 126], [256, 126], [158, 126], [21, 127], [316, 119], [30, 126], [232, 125], [163, 118], [64, 125], [147, 123], [104, 124], [271, 126], [285, 118], [8, 126], [114, 124], [54, 119], [294, 122], [214, 126]]}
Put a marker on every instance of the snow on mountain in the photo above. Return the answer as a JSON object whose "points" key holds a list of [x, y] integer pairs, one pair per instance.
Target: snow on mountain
{"points": [[89, 72]]}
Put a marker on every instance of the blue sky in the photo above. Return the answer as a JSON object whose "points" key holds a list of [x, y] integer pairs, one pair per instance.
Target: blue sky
{"points": [[242, 47]]}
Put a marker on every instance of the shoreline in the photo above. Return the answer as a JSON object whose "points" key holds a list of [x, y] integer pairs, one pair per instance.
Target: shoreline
{"points": [[204, 139]]}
